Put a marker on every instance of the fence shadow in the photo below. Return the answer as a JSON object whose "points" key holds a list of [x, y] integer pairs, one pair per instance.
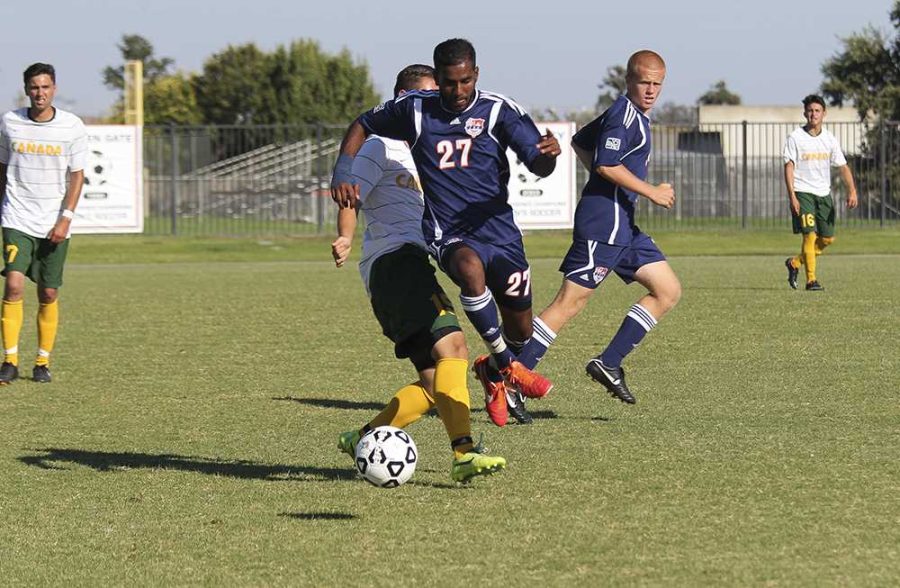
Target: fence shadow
{"points": [[107, 461]]}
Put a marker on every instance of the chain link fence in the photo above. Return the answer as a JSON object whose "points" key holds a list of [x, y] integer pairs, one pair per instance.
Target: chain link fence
{"points": [[273, 180]]}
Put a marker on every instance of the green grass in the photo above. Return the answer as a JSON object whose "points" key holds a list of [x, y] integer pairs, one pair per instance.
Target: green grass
{"points": [[188, 437]]}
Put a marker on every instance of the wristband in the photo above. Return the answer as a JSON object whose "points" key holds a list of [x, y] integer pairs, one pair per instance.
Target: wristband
{"points": [[342, 167], [66, 213]]}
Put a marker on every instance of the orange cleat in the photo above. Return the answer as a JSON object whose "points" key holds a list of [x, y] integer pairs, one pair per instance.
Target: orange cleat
{"points": [[529, 383], [494, 392]]}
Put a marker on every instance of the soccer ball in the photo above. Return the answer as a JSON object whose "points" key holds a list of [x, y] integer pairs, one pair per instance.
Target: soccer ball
{"points": [[386, 457], [97, 170]]}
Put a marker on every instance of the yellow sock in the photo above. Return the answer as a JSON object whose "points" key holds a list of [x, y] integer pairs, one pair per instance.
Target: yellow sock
{"points": [[451, 395], [47, 323], [796, 262], [11, 325], [809, 256], [822, 243], [407, 406]]}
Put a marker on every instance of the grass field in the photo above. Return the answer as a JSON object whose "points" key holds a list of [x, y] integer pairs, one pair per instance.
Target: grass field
{"points": [[189, 435]]}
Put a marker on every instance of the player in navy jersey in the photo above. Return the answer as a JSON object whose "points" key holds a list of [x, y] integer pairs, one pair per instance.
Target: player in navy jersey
{"points": [[458, 136], [616, 149]]}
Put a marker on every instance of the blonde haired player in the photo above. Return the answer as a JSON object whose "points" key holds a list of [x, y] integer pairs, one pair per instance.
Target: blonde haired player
{"points": [[809, 154], [42, 157]]}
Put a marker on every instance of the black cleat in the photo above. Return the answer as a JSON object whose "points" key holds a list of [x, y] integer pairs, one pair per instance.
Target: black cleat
{"points": [[41, 374], [515, 404], [8, 373], [814, 286], [613, 379], [792, 273]]}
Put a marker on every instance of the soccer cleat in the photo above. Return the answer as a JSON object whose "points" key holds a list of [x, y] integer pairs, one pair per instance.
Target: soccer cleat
{"points": [[792, 273], [613, 379], [515, 404], [41, 374], [8, 373], [494, 391], [529, 383], [347, 443], [475, 464], [814, 286]]}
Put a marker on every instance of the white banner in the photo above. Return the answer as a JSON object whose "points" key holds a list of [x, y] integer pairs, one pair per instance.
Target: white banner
{"points": [[112, 197], [545, 203]]}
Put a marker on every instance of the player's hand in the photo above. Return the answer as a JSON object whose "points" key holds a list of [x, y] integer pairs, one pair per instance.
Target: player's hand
{"points": [[852, 201], [548, 145], [795, 205], [60, 230], [663, 195], [340, 250], [345, 194]]}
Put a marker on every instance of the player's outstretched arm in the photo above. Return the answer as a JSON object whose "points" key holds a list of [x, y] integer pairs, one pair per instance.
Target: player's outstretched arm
{"points": [[662, 195], [343, 191], [544, 164]]}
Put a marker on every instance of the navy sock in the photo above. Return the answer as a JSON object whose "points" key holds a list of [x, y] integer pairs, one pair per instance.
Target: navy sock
{"points": [[482, 313], [637, 323], [534, 350]]}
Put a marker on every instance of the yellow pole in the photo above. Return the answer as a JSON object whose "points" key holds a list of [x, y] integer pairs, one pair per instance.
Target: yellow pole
{"points": [[134, 93]]}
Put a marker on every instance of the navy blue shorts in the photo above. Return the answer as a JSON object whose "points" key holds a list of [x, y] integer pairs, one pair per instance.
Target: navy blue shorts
{"points": [[507, 273], [588, 262]]}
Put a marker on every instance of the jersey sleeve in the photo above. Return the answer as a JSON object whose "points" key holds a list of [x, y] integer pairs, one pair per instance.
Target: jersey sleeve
{"points": [[837, 154], [78, 149], [394, 119], [518, 131], [368, 167], [791, 152], [611, 140], [586, 137], [4, 145]]}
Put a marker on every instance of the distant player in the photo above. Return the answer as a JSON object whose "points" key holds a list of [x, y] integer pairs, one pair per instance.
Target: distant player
{"points": [[458, 137], [408, 302], [809, 154], [616, 148], [42, 157]]}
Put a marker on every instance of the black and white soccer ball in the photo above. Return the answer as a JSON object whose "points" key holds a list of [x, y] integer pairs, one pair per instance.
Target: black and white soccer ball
{"points": [[386, 457], [97, 170]]}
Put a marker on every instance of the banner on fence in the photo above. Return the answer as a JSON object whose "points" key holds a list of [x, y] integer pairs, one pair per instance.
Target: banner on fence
{"points": [[545, 203], [112, 197]]}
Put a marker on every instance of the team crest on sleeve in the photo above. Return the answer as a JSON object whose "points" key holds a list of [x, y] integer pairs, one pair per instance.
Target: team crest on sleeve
{"points": [[599, 274], [474, 126], [613, 143], [379, 108]]}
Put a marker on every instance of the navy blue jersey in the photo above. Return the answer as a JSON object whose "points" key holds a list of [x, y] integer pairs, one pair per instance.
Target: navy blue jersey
{"points": [[619, 136], [461, 158]]}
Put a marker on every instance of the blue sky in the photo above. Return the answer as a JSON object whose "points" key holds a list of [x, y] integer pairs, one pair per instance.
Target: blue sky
{"points": [[550, 54]]}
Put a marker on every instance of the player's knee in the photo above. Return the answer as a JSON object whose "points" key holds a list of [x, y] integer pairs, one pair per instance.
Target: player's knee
{"points": [[451, 346], [47, 295], [670, 294], [823, 242]]}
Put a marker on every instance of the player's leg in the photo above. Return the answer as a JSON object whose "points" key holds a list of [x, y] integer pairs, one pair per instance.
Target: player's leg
{"points": [[804, 224], [584, 268], [645, 264], [18, 254], [51, 259], [465, 266], [825, 217]]}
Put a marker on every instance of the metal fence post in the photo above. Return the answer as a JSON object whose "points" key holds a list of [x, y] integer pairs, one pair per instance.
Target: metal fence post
{"points": [[884, 181], [174, 179], [320, 174], [744, 195]]}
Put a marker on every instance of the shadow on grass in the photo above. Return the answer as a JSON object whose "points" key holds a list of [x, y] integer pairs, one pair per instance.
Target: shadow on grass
{"points": [[332, 403], [318, 516], [535, 414], [104, 461]]}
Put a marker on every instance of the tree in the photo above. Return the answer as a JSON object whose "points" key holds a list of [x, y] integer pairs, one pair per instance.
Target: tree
{"points": [[171, 100], [235, 87], [866, 72], [719, 94], [612, 87], [136, 47]]}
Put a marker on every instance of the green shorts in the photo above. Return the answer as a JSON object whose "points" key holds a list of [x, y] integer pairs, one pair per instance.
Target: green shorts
{"points": [[816, 215], [408, 302], [37, 258]]}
